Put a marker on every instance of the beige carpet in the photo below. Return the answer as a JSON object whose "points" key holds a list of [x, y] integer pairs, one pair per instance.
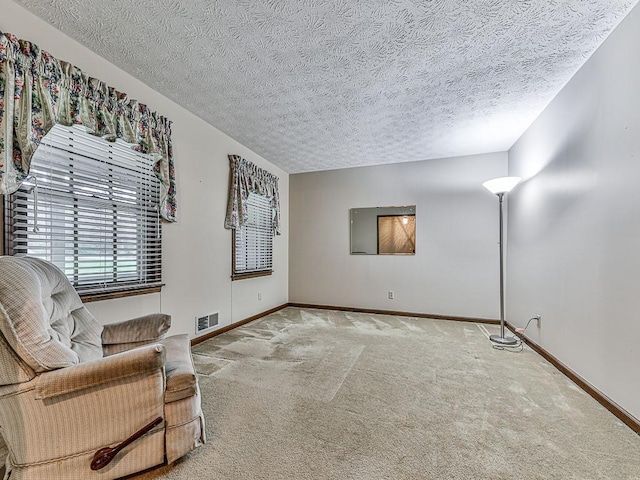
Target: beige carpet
{"points": [[313, 394]]}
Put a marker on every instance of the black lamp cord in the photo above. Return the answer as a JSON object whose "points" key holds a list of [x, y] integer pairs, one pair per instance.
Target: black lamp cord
{"points": [[518, 347]]}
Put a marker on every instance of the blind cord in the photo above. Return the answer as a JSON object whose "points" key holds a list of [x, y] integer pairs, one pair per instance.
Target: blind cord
{"points": [[157, 209], [34, 190]]}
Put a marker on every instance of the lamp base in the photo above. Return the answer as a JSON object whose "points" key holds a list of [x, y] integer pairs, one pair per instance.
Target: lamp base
{"points": [[503, 340]]}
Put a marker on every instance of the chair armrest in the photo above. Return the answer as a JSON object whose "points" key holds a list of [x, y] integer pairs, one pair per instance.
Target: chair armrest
{"points": [[147, 328], [97, 372]]}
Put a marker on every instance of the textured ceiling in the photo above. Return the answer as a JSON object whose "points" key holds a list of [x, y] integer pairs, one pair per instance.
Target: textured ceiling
{"points": [[322, 84]]}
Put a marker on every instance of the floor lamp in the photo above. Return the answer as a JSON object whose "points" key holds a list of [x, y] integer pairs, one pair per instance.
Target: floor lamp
{"points": [[500, 186]]}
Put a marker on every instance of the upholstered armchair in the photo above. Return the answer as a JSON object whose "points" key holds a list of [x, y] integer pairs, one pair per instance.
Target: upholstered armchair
{"points": [[79, 400]]}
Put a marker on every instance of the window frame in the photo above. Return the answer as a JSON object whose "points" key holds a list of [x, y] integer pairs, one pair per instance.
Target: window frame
{"points": [[145, 279]]}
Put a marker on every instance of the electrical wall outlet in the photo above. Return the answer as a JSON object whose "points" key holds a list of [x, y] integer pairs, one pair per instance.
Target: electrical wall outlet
{"points": [[392, 295], [259, 296], [538, 319]]}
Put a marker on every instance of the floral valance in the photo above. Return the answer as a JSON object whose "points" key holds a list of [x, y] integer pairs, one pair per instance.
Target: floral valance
{"points": [[247, 178], [37, 91]]}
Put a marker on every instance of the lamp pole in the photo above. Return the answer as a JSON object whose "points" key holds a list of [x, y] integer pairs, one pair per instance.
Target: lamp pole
{"points": [[500, 186], [501, 338]]}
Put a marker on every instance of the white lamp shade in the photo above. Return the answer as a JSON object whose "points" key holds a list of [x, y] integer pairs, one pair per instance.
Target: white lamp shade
{"points": [[501, 185]]}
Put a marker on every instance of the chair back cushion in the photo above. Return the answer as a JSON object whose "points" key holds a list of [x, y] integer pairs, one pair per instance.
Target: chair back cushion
{"points": [[44, 320]]}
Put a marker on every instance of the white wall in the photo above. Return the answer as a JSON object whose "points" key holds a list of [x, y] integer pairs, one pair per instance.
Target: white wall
{"points": [[455, 269], [196, 249], [574, 237]]}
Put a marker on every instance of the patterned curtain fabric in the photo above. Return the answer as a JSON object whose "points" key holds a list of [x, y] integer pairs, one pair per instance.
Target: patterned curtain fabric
{"points": [[37, 91], [247, 178]]}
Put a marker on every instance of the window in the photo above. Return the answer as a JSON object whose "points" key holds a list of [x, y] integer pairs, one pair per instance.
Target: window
{"points": [[253, 242], [90, 207]]}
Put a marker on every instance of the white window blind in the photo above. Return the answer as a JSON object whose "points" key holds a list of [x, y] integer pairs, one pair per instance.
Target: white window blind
{"points": [[90, 207], [254, 240]]}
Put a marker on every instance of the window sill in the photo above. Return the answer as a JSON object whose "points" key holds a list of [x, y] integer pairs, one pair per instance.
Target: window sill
{"points": [[242, 276], [96, 297]]}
